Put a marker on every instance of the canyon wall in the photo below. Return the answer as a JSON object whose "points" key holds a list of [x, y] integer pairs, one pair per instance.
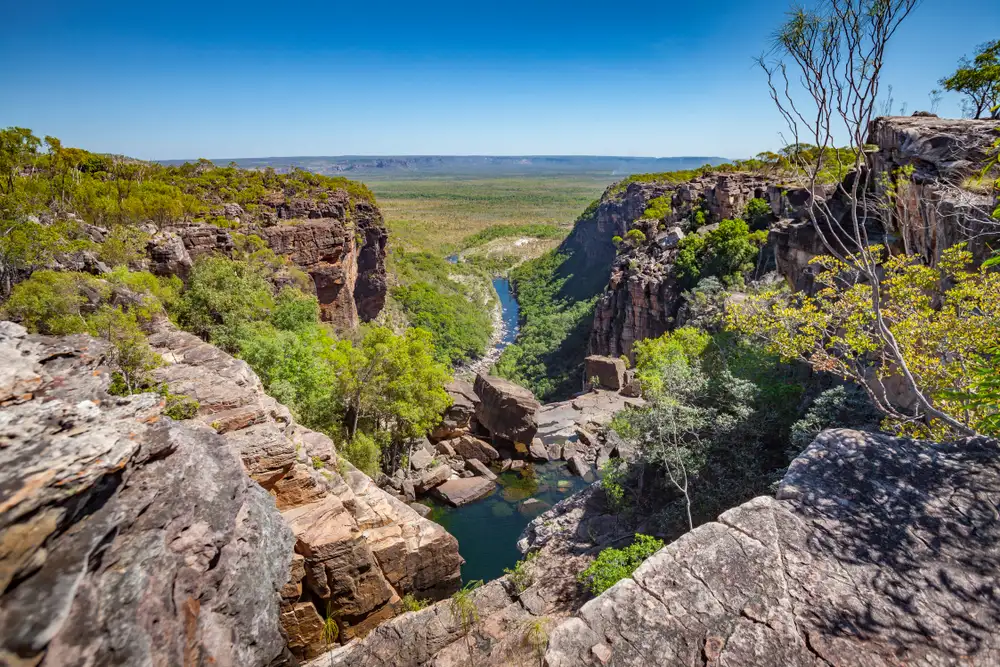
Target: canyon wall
{"points": [[920, 199], [338, 241], [223, 538]]}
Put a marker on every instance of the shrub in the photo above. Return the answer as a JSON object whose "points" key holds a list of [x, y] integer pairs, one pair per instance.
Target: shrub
{"points": [[635, 237], [412, 603], [757, 213], [657, 208], [520, 577], [614, 474], [845, 406], [222, 295], [131, 358], [124, 245], [727, 252], [179, 406], [363, 453], [52, 303], [613, 565]]}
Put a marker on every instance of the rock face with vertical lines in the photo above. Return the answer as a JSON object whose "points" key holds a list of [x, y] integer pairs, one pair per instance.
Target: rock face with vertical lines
{"points": [[876, 551]]}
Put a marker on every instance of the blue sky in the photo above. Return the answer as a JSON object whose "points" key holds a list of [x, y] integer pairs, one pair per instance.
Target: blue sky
{"points": [[218, 79]]}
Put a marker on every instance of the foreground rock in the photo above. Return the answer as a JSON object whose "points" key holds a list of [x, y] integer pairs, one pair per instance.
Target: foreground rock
{"points": [[877, 551], [361, 548], [125, 537], [506, 409]]}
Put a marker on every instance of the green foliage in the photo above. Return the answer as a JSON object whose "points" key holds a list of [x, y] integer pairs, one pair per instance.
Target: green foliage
{"points": [[657, 208], [612, 565], [459, 324], [179, 406], [223, 295], [26, 245], [728, 252], [844, 406], [635, 238], [412, 603], [555, 325], [617, 240], [124, 245], [51, 302], [614, 474], [944, 320], [758, 213], [130, 357], [979, 81], [364, 453], [463, 607], [520, 577], [982, 398]]}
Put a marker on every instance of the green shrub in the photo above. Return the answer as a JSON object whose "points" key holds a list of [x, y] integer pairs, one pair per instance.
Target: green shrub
{"points": [[757, 213], [613, 565], [52, 302], [520, 576], [222, 295], [179, 406], [412, 603], [614, 475], [727, 252], [130, 357], [845, 406], [657, 208], [363, 453], [635, 237], [124, 245]]}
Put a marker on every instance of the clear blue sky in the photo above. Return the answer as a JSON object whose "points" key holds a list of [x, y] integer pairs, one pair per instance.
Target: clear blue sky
{"points": [[186, 79]]}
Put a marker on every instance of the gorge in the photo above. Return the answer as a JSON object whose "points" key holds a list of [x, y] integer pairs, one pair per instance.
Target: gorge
{"points": [[217, 447]]}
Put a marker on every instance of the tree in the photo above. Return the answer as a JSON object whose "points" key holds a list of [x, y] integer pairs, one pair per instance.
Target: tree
{"points": [[978, 81], [943, 322], [18, 148], [131, 358], [838, 53]]}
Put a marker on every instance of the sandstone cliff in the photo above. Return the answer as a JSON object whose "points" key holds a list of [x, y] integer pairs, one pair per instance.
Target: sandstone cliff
{"points": [[876, 551], [338, 240], [125, 537], [924, 161], [358, 550]]}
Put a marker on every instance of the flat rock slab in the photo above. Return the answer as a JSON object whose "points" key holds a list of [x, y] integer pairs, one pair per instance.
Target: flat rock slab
{"points": [[482, 469], [460, 492], [877, 551]]}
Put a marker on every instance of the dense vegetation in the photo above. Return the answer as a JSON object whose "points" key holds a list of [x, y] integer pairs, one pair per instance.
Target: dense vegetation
{"points": [[555, 326], [612, 565], [371, 393], [727, 252]]}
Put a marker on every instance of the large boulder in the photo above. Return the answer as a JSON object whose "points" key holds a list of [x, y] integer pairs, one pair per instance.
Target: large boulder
{"points": [[125, 537], [609, 371], [876, 551], [457, 418], [507, 410], [470, 448]]}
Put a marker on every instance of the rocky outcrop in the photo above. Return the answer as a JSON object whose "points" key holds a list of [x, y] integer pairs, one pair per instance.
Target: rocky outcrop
{"points": [[339, 241], [361, 549], [608, 371], [505, 409], [643, 297], [125, 537], [876, 551]]}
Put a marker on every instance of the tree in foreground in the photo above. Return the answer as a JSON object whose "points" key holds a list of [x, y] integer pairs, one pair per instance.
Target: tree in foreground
{"points": [[825, 75]]}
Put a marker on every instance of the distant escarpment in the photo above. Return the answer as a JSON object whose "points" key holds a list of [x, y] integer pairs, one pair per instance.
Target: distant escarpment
{"points": [[918, 200], [335, 237]]}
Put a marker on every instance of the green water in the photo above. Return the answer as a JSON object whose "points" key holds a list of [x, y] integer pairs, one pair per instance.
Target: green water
{"points": [[487, 530]]}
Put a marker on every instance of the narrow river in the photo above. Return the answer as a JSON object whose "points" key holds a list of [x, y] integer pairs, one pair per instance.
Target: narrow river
{"points": [[487, 530]]}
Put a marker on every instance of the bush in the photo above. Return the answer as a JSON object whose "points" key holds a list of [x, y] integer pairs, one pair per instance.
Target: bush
{"points": [[412, 603], [845, 406], [657, 208], [520, 577], [363, 453], [727, 252], [613, 565], [130, 357], [123, 246], [221, 296], [635, 237], [52, 303], [757, 213], [179, 406]]}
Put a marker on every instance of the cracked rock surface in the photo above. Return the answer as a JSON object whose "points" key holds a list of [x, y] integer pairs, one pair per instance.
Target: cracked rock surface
{"points": [[126, 538], [876, 551]]}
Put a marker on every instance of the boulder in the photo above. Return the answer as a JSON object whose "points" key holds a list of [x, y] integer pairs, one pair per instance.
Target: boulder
{"points": [[537, 451], [469, 447], [420, 459], [457, 418], [421, 509], [864, 527], [609, 371], [445, 449], [507, 410], [631, 388], [481, 469], [458, 492], [431, 478], [168, 256], [577, 465]]}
